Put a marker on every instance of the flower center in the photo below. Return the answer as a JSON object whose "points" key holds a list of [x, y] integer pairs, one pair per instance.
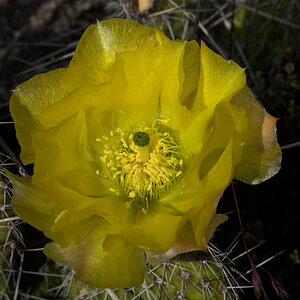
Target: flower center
{"points": [[142, 165]]}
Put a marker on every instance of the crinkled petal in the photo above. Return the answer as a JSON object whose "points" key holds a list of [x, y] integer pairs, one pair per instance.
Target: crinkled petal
{"points": [[76, 212], [73, 231], [28, 202], [261, 154], [94, 58], [204, 223], [187, 240], [154, 231], [122, 266], [219, 79], [216, 221], [191, 66], [26, 103], [137, 82], [172, 87], [196, 192], [123, 95], [219, 176], [80, 99], [180, 86], [65, 147], [229, 122]]}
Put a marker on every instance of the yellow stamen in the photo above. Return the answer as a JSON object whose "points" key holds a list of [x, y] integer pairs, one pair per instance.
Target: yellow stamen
{"points": [[132, 194], [128, 203], [178, 173], [142, 165]]}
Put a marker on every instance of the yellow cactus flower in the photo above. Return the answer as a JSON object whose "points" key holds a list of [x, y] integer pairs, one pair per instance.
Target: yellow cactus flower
{"points": [[133, 145]]}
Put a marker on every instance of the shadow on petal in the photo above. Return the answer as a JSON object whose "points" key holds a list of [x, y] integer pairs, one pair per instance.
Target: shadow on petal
{"points": [[121, 267]]}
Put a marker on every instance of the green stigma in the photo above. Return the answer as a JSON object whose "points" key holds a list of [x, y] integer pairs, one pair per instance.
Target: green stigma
{"points": [[141, 139]]}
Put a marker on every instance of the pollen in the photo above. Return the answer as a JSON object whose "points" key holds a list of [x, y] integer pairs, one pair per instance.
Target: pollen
{"points": [[142, 164], [132, 194]]}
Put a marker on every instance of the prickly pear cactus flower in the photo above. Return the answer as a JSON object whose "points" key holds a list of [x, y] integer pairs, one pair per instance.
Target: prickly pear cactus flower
{"points": [[133, 145]]}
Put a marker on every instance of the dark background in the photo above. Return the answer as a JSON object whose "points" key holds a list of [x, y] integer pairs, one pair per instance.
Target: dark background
{"points": [[37, 36]]}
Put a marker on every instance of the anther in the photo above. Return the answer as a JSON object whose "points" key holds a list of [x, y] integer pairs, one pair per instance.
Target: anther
{"points": [[178, 173], [143, 164], [132, 194]]}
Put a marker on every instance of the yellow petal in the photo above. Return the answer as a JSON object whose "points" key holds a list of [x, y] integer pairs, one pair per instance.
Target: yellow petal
{"points": [[194, 235], [196, 192], [186, 237], [71, 207], [154, 231], [199, 226], [28, 202], [80, 99], [121, 267], [100, 123], [136, 85], [171, 105], [191, 65], [219, 79], [261, 155], [95, 55], [67, 233], [62, 153], [204, 225], [123, 95], [219, 173], [180, 86], [216, 221], [229, 122], [172, 93], [26, 103]]}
